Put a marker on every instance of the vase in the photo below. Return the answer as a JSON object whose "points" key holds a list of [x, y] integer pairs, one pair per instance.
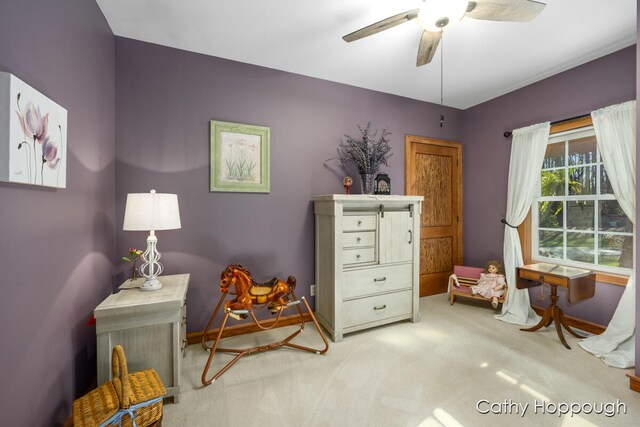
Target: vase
{"points": [[367, 180], [134, 271]]}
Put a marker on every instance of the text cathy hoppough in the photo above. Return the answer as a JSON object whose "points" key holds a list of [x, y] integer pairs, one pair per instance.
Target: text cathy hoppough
{"points": [[542, 407]]}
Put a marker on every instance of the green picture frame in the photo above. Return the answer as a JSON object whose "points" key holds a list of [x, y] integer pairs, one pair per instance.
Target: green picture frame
{"points": [[239, 158]]}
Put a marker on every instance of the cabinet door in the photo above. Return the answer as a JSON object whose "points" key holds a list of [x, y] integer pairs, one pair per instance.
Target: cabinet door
{"points": [[396, 237]]}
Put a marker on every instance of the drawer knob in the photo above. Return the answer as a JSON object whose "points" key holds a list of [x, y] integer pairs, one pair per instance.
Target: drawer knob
{"points": [[380, 307], [358, 256], [542, 277], [358, 240], [379, 279], [359, 222]]}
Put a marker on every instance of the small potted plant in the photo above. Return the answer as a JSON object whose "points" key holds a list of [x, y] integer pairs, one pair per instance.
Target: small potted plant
{"points": [[134, 256], [366, 153]]}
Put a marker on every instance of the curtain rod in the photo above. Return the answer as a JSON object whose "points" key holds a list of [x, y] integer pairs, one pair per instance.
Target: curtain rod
{"points": [[508, 133]]}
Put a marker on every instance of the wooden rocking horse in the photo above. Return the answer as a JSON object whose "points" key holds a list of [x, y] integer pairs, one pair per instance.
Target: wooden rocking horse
{"points": [[275, 294]]}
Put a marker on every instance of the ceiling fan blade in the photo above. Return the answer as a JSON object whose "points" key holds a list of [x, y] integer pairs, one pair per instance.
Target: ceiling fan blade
{"points": [[385, 24], [504, 10], [428, 46]]}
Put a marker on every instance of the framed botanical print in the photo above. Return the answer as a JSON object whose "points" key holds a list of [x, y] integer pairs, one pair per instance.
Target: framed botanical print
{"points": [[33, 136], [239, 158]]}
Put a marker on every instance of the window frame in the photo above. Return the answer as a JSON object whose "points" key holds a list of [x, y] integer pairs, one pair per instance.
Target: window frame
{"points": [[525, 230]]}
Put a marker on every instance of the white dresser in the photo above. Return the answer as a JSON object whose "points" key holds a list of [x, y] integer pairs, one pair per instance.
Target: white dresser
{"points": [[367, 261], [150, 326]]}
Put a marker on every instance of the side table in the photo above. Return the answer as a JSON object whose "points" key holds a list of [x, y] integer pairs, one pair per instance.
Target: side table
{"points": [[150, 326], [580, 284]]}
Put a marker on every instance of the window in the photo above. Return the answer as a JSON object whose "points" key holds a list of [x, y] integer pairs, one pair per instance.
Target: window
{"points": [[576, 219]]}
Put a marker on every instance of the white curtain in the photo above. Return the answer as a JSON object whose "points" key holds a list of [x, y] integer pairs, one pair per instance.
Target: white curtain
{"points": [[527, 153], [615, 129]]}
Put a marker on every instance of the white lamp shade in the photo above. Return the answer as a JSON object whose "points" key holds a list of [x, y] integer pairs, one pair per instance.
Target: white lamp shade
{"points": [[151, 211]]}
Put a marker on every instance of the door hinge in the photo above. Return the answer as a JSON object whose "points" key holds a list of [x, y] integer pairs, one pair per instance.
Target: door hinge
{"points": [[381, 211], [410, 211]]}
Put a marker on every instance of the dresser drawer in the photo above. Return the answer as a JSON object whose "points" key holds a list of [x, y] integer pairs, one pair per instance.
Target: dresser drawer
{"points": [[357, 283], [359, 239], [376, 308], [358, 256], [359, 222]]}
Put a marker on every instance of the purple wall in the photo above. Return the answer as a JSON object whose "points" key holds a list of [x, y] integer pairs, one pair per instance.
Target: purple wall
{"points": [[599, 83], [57, 245], [164, 101]]}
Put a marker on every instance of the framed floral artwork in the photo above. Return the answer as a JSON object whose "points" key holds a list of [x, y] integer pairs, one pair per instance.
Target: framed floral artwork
{"points": [[239, 157], [33, 136]]}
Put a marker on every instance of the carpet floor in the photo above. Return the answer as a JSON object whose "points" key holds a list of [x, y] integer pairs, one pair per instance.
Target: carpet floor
{"points": [[458, 366]]}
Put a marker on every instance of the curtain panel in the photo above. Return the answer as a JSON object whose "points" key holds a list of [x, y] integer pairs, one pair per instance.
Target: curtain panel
{"points": [[527, 153], [615, 129]]}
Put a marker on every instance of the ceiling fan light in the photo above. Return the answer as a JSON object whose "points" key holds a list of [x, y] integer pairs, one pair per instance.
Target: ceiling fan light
{"points": [[439, 14]]}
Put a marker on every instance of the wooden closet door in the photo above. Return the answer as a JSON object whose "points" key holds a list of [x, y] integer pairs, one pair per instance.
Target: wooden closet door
{"points": [[433, 169]]}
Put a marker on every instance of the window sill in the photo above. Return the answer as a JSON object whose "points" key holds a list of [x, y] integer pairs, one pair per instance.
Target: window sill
{"points": [[612, 279]]}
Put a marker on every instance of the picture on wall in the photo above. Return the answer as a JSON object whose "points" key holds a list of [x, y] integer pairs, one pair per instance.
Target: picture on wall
{"points": [[33, 136], [239, 157]]}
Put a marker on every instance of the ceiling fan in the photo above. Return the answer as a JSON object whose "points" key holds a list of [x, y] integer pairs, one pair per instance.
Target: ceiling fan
{"points": [[435, 15]]}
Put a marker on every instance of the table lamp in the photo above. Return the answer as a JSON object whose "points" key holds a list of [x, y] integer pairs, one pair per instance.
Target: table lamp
{"points": [[151, 212]]}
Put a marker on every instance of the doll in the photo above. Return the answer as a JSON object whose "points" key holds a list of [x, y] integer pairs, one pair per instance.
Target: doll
{"points": [[491, 283]]}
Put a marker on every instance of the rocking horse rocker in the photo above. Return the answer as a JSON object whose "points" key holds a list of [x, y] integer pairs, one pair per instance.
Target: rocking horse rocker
{"points": [[276, 295]]}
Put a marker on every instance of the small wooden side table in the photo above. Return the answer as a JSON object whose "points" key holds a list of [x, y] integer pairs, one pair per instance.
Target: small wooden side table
{"points": [[150, 326], [580, 284]]}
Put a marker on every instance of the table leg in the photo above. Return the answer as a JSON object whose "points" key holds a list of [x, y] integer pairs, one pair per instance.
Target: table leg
{"points": [[549, 322], [554, 314], [546, 320], [563, 320], [558, 320]]}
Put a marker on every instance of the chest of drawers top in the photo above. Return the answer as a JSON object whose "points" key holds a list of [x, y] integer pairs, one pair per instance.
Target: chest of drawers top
{"points": [[131, 299], [355, 201]]}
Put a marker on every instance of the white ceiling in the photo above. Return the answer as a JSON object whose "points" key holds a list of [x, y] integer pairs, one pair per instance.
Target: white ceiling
{"points": [[482, 59]]}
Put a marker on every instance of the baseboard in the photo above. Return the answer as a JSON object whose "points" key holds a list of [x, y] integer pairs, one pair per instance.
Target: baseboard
{"points": [[246, 328], [583, 325], [634, 382]]}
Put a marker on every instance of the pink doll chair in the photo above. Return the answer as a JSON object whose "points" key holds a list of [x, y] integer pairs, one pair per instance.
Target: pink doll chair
{"points": [[462, 279]]}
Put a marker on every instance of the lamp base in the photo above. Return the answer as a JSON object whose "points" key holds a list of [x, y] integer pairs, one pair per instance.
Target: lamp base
{"points": [[151, 285], [151, 268]]}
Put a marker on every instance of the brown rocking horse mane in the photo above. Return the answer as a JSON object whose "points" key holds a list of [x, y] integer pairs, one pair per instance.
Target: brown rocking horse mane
{"points": [[241, 268], [290, 280]]}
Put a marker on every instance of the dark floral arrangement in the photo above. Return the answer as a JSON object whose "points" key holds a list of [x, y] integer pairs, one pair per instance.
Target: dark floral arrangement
{"points": [[367, 152]]}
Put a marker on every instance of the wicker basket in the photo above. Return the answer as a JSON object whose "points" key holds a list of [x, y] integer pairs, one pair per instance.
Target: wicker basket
{"points": [[126, 397]]}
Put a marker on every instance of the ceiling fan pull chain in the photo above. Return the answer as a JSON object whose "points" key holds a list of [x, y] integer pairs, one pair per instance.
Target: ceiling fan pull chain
{"points": [[441, 77]]}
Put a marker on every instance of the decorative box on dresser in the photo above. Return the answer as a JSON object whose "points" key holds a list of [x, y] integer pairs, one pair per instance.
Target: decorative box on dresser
{"points": [[367, 261], [150, 326]]}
